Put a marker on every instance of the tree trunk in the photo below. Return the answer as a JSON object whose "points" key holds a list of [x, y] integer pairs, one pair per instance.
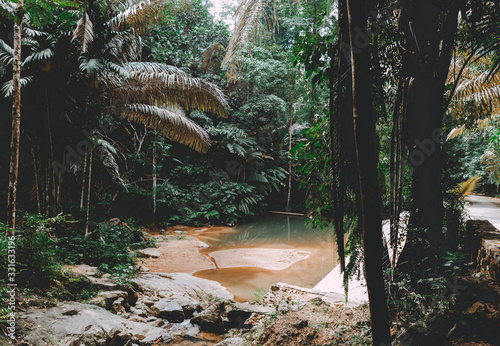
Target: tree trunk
{"points": [[35, 170], [84, 175], [88, 194], [16, 122], [429, 27], [154, 177], [52, 159], [366, 149], [290, 133], [340, 120]]}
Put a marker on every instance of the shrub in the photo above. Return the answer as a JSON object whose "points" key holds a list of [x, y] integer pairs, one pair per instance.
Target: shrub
{"points": [[108, 246]]}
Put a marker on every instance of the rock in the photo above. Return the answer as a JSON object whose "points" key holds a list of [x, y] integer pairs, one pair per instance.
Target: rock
{"points": [[185, 329], [169, 310], [202, 245], [136, 318], [254, 320], [143, 269], [193, 332], [231, 342], [301, 324], [106, 299], [157, 323], [119, 306], [104, 283], [84, 269], [238, 313], [227, 314], [148, 303], [181, 286], [113, 294], [282, 307], [89, 326], [210, 318], [190, 308], [150, 252], [178, 231]]}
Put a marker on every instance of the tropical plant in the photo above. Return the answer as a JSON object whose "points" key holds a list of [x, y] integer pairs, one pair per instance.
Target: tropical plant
{"points": [[475, 100], [145, 92], [491, 163]]}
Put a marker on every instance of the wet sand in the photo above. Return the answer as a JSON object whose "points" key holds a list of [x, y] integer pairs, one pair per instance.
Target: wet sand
{"points": [[244, 267]]}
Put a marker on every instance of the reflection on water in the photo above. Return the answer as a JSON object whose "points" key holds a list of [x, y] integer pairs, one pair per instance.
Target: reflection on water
{"points": [[282, 232]]}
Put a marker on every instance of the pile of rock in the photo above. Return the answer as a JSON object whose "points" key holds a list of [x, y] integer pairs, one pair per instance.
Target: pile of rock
{"points": [[153, 307]]}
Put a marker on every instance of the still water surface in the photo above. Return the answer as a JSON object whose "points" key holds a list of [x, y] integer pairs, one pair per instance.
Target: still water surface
{"points": [[271, 232]]}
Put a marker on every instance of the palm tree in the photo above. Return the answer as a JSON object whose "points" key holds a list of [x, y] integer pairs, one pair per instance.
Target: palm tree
{"points": [[16, 121], [475, 100], [149, 93], [491, 162]]}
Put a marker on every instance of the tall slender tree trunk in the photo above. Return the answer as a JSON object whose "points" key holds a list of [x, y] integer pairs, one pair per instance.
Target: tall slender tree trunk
{"points": [[35, 170], [341, 126], [16, 122], [154, 177], [290, 133], [59, 184], [52, 159], [84, 175], [366, 149], [88, 194]]}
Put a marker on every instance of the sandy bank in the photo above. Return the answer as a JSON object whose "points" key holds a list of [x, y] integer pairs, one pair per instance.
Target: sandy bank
{"points": [[267, 258]]}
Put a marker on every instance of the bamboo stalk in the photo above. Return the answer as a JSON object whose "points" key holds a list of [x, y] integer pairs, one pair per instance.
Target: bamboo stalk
{"points": [[88, 194], [35, 169], [83, 181]]}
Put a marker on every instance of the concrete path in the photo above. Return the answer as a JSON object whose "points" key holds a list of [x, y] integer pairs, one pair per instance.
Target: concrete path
{"points": [[484, 208]]}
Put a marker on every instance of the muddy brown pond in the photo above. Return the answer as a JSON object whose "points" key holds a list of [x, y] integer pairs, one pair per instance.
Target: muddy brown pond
{"points": [[251, 257]]}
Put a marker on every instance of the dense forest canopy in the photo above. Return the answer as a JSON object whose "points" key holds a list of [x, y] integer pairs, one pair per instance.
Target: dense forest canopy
{"points": [[158, 114]]}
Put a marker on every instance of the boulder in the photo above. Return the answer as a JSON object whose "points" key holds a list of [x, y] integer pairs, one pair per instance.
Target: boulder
{"points": [[238, 313], [180, 286], [169, 310], [86, 325], [107, 299], [210, 319], [231, 342], [150, 252]]}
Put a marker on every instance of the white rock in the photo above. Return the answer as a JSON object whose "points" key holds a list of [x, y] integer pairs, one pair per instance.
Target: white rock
{"points": [[149, 252]]}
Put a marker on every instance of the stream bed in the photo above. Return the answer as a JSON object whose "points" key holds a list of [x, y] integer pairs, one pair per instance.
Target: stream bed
{"points": [[250, 258]]}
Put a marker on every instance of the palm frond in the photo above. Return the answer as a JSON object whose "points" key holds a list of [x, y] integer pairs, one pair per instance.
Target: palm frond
{"points": [[466, 188], [475, 100], [210, 57], [482, 90], [106, 153], [6, 53], [30, 32], [124, 47], [92, 66], [478, 125], [164, 85], [8, 87], [491, 162], [139, 15], [173, 125], [83, 33], [44, 54], [152, 68], [247, 17]]}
